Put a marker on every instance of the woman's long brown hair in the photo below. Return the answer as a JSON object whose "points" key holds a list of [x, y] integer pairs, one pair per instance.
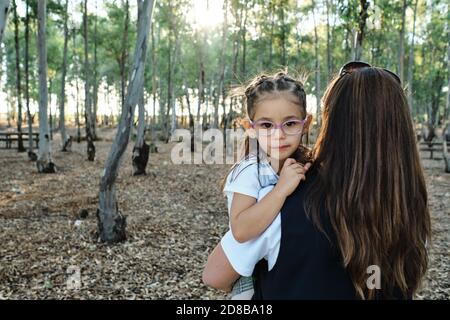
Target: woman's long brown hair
{"points": [[371, 182]]}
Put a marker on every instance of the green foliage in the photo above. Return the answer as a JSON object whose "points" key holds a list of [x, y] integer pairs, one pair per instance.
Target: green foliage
{"points": [[273, 33]]}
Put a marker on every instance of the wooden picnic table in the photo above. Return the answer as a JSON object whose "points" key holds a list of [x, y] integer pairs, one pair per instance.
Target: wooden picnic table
{"points": [[10, 137]]}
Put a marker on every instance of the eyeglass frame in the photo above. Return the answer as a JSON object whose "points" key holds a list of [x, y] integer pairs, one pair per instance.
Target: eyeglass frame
{"points": [[280, 126], [349, 67]]}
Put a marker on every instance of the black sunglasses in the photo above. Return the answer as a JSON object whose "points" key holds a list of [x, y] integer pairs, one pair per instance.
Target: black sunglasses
{"points": [[351, 66]]}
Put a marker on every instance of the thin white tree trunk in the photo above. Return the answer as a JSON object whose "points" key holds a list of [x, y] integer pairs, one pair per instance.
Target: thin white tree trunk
{"points": [[111, 223], [20, 146], [361, 28], [173, 126], [124, 54], [401, 45], [44, 162], [62, 97], [96, 82], [140, 136], [154, 85], [411, 62], [317, 68], [141, 149], [221, 65], [87, 95], [31, 155], [448, 83], [329, 5], [141, 123], [77, 87], [201, 77]]}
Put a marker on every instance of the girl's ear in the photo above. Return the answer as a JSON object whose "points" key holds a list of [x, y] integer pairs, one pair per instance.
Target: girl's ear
{"points": [[308, 122], [246, 123]]}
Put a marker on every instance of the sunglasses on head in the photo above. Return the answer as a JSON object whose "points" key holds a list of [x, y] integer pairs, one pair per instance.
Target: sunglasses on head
{"points": [[349, 67]]}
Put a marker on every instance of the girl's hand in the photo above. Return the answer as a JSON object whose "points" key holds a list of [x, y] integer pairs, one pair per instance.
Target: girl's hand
{"points": [[290, 176]]}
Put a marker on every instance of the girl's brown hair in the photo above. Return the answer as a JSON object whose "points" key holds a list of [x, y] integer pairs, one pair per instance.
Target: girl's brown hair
{"points": [[371, 182], [254, 92]]}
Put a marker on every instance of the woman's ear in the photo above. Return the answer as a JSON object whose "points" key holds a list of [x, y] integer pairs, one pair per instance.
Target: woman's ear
{"points": [[246, 123]]}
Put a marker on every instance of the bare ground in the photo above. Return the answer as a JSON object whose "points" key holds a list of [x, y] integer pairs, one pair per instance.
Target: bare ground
{"points": [[176, 214]]}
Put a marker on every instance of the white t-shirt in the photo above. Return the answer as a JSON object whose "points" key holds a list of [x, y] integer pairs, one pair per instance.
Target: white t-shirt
{"points": [[246, 179]]}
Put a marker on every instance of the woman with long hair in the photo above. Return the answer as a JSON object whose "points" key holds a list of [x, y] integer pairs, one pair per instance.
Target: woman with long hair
{"points": [[363, 204]]}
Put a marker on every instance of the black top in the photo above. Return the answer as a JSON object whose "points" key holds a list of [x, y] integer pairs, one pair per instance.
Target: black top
{"points": [[309, 266]]}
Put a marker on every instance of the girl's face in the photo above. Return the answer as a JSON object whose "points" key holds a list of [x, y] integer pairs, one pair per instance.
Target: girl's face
{"points": [[277, 110]]}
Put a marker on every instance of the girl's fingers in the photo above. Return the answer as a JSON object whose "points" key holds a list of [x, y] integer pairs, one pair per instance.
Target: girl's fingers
{"points": [[306, 166], [289, 161], [296, 165], [299, 167]]}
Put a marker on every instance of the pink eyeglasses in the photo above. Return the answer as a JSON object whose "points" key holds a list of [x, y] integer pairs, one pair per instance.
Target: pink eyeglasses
{"points": [[289, 127]]}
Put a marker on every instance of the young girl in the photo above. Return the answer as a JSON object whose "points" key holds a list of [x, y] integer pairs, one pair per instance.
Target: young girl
{"points": [[277, 119]]}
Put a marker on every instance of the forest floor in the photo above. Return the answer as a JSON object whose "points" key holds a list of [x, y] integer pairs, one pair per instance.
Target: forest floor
{"points": [[176, 214]]}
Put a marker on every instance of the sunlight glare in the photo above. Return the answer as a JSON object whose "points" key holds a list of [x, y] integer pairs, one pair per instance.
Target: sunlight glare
{"points": [[205, 13]]}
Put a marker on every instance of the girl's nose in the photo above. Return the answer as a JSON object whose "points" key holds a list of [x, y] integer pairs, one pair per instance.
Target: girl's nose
{"points": [[278, 133]]}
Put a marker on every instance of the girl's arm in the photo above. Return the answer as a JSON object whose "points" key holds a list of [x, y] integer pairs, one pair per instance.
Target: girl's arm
{"points": [[218, 272], [250, 218]]}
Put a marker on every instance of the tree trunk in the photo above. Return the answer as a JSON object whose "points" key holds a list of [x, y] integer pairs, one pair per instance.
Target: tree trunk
{"points": [[201, 78], [329, 5], [173, 126], [77, 115], [401, 45], [283, 34], [236, 49], [8, 114], [162, 104], [411, 62], [221, 64], [448, 82], [31, 155], [20, 146], [205, 113], [44, 162], [317, 68], [96, 82], [171, 61], [111, 223], [4, 10], [87, 94], [361, 26], [272, 26], [141, 149], [435, 87], [224, 107], [50, 118], [153, 124], [124, 55], [62, 96], [188, 101], [244, 42]]}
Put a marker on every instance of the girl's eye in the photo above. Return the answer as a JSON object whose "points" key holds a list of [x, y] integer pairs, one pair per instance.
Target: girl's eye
{"points": [[266, 125], [290, 123]]}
